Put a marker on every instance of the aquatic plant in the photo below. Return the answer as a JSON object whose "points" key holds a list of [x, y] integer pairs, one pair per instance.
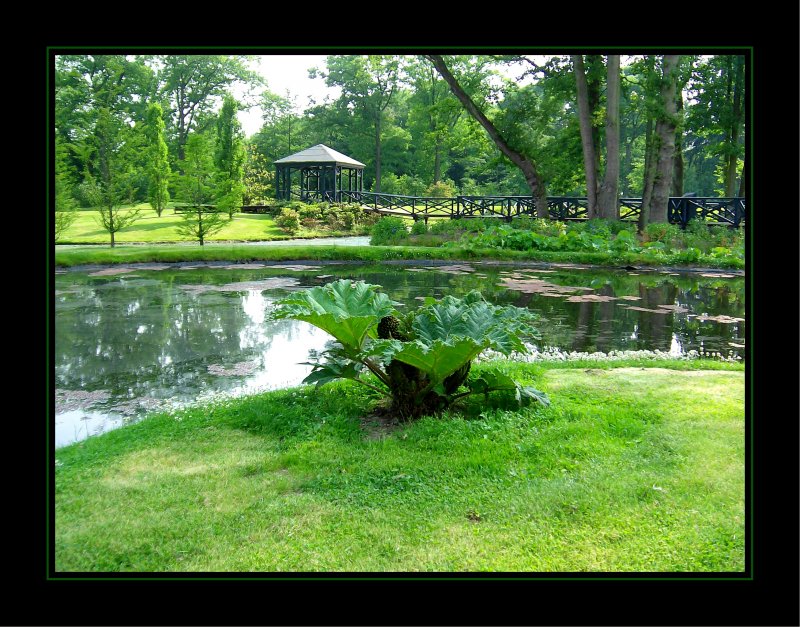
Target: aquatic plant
{"points": [[420, 360]]}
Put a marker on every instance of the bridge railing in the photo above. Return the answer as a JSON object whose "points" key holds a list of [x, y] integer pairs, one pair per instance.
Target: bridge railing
{"points": [[730, 211]]}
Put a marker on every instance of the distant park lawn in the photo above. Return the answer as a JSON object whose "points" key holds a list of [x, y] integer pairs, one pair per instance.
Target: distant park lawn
{"points": [[630, 469], [150, 228]]}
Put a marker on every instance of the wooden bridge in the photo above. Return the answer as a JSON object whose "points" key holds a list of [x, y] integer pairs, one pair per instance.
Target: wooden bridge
{"points": [[720, 211]]}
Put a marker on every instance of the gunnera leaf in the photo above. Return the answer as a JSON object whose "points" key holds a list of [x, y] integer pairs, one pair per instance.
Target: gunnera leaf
{"points": [[346, 309]]}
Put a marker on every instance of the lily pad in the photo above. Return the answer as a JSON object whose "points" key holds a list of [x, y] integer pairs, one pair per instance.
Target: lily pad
{"points": [[721, 319], [241, 368], [658, 311], [590, 298], [111, 271], [294, 267]]}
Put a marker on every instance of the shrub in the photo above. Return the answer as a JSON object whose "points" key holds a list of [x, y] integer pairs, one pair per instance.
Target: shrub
{"points": [[288, 220], [441, 189], [421, 359], [419, 228], [388, 230]]}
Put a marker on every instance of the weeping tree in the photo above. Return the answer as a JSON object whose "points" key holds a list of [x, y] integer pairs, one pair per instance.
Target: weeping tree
{"points": [[420, 361], [158, 169]]}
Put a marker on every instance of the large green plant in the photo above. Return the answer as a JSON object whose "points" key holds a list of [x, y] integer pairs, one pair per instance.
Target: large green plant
{"points": [[421, 359]]}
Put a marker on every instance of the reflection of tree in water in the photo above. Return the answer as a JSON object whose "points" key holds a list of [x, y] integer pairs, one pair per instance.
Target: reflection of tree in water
{"points": [[139, 338], [655, 329], [131, 335]]}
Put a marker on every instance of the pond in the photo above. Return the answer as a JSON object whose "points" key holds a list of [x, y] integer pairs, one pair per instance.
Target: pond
{"points": [[145, 337]]}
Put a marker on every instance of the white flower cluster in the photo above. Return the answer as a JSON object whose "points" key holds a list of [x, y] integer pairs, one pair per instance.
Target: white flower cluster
{"points": [[551, 353]]}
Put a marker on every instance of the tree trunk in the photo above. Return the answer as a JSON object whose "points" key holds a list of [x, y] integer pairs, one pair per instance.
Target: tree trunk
{"points": [[378, 153], [677, 173], [742, 184], [585, 120], [608, 196], [730, 172], [594, 63], [665, 132], [649, 172], [626, 191], [523, 162]]}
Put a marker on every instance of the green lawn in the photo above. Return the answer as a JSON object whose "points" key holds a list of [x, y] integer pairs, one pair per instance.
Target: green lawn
{"points": [[629, 469], [150, 228]]}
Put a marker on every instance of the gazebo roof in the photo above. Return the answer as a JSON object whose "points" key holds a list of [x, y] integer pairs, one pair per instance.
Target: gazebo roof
{"points": [[321, 154]]}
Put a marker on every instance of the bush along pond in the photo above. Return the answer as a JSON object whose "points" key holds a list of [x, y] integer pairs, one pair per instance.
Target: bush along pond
{"points": [[420, 360]]}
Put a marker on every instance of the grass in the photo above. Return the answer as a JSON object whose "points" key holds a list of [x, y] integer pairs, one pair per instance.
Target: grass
{"points": [[149, 228], [253, 252], [629, 469]]}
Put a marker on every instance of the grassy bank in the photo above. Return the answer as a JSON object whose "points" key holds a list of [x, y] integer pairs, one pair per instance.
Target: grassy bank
{"points": [[629, 469], [150, 228], [253, 252]]}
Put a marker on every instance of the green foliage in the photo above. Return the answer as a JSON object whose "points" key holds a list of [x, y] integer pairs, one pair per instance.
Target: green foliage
{"points": [[419, 228], [158, 169], [288, 220], [441, 189], [425, 355], [196, 187], [257, 177], [388, 230], [346, 309], [229, 158]]}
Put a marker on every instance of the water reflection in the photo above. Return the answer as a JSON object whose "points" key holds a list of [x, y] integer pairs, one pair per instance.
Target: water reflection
{"points": [[152, 338]]}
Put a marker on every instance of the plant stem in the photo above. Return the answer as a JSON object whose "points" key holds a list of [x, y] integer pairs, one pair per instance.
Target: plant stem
{"points": [[377, 372], [373, 387]]}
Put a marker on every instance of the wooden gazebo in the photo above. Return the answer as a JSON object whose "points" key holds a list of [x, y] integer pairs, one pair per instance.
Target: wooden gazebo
{"points": [[324, 174]]}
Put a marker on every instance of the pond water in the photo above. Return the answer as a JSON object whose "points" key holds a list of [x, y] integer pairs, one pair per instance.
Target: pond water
{"points": [[129, 340]]}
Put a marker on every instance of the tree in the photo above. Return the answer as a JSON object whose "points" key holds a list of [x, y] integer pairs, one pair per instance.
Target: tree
{"points": [[158, 169], [229, 158], [715, 116], [658, 208], [197, 189], [434, 109], [524, 162], [193, 84], [66, 208], [368, 83], [258, 178], [586, 116], [608, 196], [112, 141]]}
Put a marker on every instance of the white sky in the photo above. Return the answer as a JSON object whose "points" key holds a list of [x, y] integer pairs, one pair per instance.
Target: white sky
{"points": [[290, 72]]}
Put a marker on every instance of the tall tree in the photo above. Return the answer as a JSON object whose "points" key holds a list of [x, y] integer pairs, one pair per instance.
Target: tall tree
{"points": [[229, 158], [736, 86], [586, 117], [658, 209], [194, 83], [608, 196], [158, 169], [434, 108], [524, 162], [677, 173], [196, 187], [368, 83]]}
